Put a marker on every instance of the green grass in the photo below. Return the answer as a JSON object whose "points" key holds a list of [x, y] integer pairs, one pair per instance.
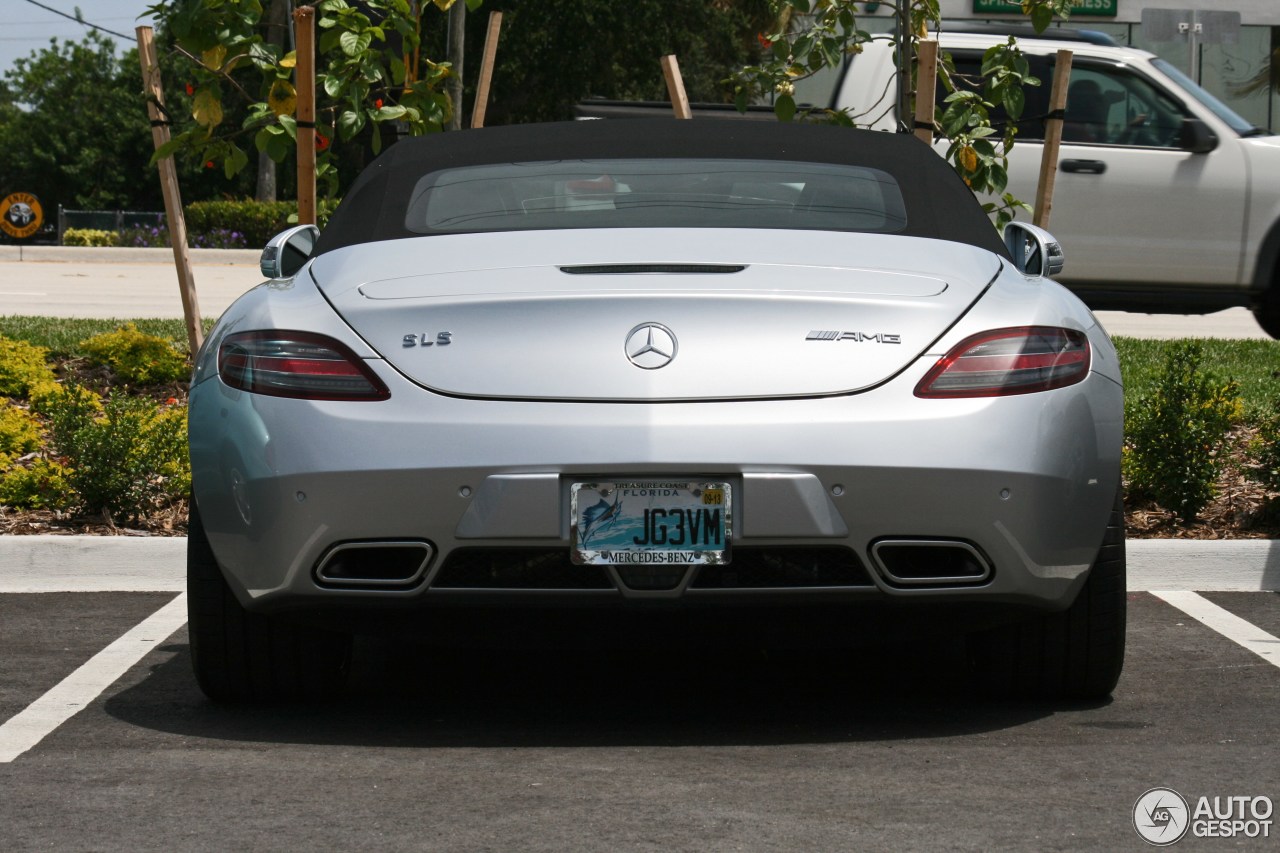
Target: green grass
{"points": [[1253, 364], [62, 336]]}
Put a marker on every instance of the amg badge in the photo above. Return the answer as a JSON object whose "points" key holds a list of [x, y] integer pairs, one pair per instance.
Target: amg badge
{"points": [[858, 337]]}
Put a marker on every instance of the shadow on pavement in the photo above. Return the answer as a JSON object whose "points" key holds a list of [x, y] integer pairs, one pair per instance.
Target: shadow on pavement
{"points": [[404, 695]]}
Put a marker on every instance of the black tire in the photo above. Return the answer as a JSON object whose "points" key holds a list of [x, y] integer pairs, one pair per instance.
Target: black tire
{"points": [[240, 656], [1267, 313], [1075, 654]]}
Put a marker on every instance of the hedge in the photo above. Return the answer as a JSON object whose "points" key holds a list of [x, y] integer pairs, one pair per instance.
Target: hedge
{"points": [[258, 221]]}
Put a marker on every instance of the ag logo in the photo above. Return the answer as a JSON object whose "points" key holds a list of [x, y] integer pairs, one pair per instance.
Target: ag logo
{"points": [[21, 215], [1161, 816]]}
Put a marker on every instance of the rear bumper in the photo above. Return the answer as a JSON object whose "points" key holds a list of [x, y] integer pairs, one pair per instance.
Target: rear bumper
{"points": [[1026, 482]]}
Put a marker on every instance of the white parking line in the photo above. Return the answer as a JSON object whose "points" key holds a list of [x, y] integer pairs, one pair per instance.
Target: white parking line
{"points": [[74, 693], [1225, 623]]}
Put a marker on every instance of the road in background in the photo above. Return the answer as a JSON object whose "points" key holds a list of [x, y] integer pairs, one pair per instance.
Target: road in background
{"points": [[59, 281]]}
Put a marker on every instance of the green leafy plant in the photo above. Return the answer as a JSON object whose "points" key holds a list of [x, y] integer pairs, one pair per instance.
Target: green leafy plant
{"points": [[813, 36], [258, 221], [89, 237], [136, 357], [19, 433], [1177, 432], [370, 72], [23, 367], [44, 484], [124, 458], [1266, 448]]}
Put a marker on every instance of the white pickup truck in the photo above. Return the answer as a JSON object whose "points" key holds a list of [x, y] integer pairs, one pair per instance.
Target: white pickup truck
{"points": [[1165, 199]]}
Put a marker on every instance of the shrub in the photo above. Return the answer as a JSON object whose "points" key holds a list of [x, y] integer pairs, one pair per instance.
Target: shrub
{"points": [[145, 236], [45, 396], [1266, 451], [157, 236], [89, 237], [126, 459], [23, 368], [1176, 433], [43, 485], [19, 433], [257, 221], [136, 357]]}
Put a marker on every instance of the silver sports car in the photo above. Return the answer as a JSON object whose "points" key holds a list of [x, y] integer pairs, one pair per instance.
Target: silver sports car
{"points": [[645, 367]]}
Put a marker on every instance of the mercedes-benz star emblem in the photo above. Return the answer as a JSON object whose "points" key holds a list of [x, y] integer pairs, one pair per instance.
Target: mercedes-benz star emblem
{"points": [[650, 346]]}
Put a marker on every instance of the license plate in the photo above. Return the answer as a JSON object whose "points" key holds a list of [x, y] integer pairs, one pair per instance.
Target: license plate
{"points": [[655, 523]]}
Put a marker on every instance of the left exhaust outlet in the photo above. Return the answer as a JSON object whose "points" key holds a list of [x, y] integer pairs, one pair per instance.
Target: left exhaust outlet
{"points": [[381, 564]]}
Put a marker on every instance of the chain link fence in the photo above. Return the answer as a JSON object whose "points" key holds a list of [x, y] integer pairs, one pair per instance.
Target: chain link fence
{"points": [[106, 220]]}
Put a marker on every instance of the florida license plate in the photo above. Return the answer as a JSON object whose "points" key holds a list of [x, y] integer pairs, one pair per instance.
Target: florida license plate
{"points": [[658, 523]]}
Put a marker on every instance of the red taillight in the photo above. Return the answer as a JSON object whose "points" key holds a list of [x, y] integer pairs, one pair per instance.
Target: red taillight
{"points": [[1009, 361], [296, 364]]}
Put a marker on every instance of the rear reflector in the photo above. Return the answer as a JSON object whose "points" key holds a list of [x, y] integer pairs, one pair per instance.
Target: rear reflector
{"points": [[1009, 361], [296, 364]]}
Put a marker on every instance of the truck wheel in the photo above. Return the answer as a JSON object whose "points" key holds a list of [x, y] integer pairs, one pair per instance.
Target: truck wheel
{"points": [[1075, 654], [240, 656], [1267, 312]]}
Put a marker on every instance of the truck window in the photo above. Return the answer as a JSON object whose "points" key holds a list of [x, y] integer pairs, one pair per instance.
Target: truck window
{"points": [[1106, 105]]}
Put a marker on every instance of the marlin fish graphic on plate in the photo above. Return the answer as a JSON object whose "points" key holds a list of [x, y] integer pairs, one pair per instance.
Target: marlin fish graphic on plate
{"points": [[599, 517]]}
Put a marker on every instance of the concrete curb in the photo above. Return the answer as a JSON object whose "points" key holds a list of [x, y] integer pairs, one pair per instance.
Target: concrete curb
{"points": [[127, 255], [128, 564]]}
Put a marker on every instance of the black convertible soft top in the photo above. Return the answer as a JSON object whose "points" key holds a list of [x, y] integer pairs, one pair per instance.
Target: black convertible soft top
{"points": [[937, 202]]}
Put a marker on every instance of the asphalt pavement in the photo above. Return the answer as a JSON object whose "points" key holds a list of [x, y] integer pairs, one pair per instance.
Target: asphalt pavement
{"points": [[64, 281]]}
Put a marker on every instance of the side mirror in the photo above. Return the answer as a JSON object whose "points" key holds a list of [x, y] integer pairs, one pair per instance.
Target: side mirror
{"points": [[1196, 137], [286, 252], [1034, 250]]}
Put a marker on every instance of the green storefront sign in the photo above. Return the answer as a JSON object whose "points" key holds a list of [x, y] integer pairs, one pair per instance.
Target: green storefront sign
{"points": [[1097, 8]]}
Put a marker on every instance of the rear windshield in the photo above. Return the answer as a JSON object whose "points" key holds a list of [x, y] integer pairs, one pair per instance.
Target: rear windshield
{"points": [[657, 193]]}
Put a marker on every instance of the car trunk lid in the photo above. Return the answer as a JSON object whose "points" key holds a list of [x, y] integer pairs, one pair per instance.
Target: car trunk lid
{"points": [[653, 315]]}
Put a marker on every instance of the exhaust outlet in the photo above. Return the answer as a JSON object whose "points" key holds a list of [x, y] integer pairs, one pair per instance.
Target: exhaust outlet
{"points": [[380, 564], [930, 562]]}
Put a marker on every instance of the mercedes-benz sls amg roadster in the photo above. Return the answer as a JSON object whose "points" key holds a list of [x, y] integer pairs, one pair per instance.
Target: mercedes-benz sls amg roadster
{"points": [[645, 367]]}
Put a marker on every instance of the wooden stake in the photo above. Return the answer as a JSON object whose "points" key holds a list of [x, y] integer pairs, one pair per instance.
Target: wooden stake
{"points": [[304, 25], [1052, 139], [675, 87], [486, 70], [169, 187], [926, 90]]}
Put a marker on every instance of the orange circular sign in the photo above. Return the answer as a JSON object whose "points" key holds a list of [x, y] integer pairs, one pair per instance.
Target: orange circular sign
{"points": [[21, 215]]}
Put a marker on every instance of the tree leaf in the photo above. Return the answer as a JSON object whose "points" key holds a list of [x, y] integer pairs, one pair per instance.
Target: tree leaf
{"points": [[234, 162], [354, 44], [1015, 100], [785, 108], [289, 60], [350, 122], [282, 98], [206, 109], [443, 5], [214, 57], [1041, 18]]}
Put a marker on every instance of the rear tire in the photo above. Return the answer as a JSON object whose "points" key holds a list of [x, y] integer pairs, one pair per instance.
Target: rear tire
{"points": [[239, 656], [1267, 313], [1075, 654]]}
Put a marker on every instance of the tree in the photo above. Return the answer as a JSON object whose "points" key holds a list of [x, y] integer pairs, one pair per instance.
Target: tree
{"points": [[554, 53], [75, 132], [371, 78], [812, 35], [72, 130]]}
